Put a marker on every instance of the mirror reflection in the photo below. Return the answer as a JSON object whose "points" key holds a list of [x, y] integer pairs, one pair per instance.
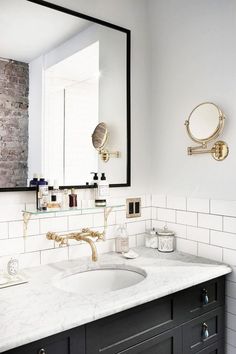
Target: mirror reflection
{"points": [[204, 121], [61, 76], [100, 139]]}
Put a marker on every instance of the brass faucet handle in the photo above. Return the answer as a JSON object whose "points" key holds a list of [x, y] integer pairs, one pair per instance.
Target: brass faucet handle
{"points": [[54, 237], [51, 235], [100, 235], [91, 233], [85, 230]]}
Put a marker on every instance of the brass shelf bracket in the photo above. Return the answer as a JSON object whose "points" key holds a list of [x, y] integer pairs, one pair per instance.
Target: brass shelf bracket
{"points": [[107, 212], [26, 219]]}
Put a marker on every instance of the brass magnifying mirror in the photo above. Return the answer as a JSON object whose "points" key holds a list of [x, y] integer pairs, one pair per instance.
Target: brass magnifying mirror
{"points": [[204, 124], [99, 140]]}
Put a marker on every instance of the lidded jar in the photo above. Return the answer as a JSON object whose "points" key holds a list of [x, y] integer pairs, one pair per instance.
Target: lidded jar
{"points": [[166, 240]]}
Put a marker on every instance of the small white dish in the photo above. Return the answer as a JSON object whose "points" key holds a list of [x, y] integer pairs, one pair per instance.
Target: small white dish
{"points": [[130, 255]]}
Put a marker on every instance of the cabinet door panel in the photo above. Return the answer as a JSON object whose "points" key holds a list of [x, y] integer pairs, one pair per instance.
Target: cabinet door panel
{"points": [[69, 342], [166, 343], [118, 332], [199, 299], [193, 331], [216, 348]]}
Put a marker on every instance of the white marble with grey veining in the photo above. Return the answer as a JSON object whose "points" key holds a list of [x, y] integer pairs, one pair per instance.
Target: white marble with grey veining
{"points": [[37, 309]]}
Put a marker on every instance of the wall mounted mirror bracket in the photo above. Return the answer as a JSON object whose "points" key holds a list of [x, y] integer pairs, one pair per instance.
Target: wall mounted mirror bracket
{"points": [[105, 154], [204, 124], [99, 140]]}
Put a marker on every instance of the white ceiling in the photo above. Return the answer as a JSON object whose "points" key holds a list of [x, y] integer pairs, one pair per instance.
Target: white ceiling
{"points": [[81, 66], [29, 30]]}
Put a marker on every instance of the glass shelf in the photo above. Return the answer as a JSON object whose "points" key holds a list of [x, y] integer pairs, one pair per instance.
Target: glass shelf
{"points": [[78, 209]]}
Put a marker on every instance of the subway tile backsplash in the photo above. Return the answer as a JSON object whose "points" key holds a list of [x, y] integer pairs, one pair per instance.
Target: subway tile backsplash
{"points": [[208, 229], [35, 249]]}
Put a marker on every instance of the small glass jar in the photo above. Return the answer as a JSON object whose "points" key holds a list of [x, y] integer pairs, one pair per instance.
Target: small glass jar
{"points": [[166, 240], [151, 240]]}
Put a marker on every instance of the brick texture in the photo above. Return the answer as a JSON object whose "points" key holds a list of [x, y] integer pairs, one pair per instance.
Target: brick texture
{"points": [[14, 91]]}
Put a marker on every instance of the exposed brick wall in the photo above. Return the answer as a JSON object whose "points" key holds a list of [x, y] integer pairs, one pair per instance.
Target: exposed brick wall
{"points": [[14, 90]]}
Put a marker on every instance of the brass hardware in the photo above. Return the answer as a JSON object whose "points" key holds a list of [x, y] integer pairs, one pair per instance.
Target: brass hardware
{"points": [[84, 235], [99, 140], [105, 154], [26, 218], [106, 214], [220, 149]]}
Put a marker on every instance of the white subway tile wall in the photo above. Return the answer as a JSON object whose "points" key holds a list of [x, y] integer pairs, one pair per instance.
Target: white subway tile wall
{"points": [[208, 229], [35, 249]]}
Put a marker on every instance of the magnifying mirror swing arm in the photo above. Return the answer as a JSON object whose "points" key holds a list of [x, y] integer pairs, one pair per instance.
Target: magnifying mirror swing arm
{"points": [[105, 154], [219, 150]]}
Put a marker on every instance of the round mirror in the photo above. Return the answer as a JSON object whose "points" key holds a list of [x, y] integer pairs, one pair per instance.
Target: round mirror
{"points": [[205, 122], [99, 136]]}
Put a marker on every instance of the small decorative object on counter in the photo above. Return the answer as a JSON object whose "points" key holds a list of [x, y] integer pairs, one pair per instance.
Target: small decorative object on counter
{"points": [[73, 199], [122, 240], [13, 266], [166, 240], [130, 255], [151, 239]]}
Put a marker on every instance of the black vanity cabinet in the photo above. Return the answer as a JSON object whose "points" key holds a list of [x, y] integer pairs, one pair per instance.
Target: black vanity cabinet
{"points": [[188, 322], [68, 342]]}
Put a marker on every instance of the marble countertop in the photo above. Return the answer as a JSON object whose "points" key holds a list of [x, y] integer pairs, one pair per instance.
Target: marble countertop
{"points": [[37, 309]]}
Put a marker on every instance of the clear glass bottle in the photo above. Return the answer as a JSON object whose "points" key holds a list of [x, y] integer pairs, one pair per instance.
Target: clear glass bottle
{"points": [[151, 239], [65, 199], [122, 240]]}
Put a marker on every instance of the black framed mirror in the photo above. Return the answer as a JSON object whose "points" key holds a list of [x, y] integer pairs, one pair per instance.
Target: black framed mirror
{"points": [[61, 74]]}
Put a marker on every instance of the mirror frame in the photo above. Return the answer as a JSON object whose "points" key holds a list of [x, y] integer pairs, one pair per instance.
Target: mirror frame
{"points": [[128, 91], [220, 149]]}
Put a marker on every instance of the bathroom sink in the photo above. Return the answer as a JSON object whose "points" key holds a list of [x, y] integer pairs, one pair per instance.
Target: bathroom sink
{"points": [[100, 280]]}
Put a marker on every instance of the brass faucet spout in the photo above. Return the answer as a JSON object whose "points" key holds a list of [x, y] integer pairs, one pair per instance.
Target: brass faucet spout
{"points": [[93, 247]]}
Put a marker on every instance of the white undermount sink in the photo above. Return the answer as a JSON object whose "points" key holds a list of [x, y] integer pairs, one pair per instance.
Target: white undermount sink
{"points": [[100, 280]]}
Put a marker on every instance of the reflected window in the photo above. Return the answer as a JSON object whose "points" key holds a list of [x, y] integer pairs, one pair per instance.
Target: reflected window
{"points": [[71, 111]]}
